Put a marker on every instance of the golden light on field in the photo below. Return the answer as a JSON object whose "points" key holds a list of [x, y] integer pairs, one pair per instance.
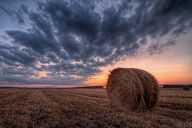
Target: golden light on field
{"points": [[42, 74]]}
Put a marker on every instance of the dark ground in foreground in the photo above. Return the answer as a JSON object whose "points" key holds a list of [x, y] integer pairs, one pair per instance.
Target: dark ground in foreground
{"points": [[89, 108]]}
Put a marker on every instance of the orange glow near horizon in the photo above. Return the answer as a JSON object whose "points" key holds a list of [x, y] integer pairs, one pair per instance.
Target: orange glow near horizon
{"points": [[42, 74], [166, 70], [99, 79]]}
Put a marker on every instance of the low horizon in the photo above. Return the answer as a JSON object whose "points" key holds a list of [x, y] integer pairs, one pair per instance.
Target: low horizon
{"points": [[67, 86]]}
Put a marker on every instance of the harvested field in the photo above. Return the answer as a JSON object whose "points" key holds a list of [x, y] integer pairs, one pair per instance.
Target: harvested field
{"points": [[89, 108]]}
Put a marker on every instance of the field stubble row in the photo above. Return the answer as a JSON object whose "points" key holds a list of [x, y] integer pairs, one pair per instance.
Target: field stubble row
{"points": [[88, 108]]}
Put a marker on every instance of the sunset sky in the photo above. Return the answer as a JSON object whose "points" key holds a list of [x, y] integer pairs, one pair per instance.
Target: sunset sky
{"points": [[78, 42]]}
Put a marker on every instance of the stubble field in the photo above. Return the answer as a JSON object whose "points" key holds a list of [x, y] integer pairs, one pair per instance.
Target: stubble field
{"points": [[35, 108]]}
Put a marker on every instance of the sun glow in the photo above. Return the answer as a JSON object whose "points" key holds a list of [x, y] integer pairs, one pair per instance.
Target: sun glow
{"points": [[166, 70], [42, 74], [98, 79]]}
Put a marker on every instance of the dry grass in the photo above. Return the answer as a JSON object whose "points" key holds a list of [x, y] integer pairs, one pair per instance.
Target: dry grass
{"points": [[89, 108]]}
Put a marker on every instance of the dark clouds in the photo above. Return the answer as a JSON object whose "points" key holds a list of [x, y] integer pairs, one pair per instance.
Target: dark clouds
{"points": [[13, 14], [75, 38]]}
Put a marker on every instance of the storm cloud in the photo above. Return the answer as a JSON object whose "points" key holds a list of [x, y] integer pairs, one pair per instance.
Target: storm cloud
{"points": [[72, 39]]}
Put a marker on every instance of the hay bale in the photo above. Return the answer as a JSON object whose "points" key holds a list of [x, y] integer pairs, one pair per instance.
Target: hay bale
{"points": [[131, 88]]}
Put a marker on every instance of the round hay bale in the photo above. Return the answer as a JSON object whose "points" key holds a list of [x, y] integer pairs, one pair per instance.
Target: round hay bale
{"points": [[131, 88]]}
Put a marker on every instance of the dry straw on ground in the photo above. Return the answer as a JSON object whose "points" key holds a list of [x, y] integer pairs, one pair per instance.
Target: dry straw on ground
{"points": [[131, 88]]}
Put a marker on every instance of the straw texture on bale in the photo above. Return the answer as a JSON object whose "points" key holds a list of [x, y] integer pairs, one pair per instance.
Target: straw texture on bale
{"points": [[131, 88]]}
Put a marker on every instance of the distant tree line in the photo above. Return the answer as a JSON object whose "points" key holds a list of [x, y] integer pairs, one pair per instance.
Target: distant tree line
{"points": [[184, 87]]}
